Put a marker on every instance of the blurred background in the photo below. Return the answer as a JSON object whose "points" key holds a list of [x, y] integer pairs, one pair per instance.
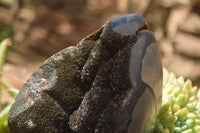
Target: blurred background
{"points": [[40, 28]]}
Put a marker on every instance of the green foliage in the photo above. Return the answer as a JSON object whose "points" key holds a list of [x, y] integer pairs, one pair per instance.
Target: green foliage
{"points": [[3, 118], [4, 112], [180, 109]]}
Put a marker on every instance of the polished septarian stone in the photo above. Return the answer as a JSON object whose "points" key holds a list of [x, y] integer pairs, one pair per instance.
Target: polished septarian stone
{"points": [[110, 82]]}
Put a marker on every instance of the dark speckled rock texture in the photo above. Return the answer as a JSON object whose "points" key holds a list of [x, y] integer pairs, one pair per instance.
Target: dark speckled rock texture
{"points": [[109, 83]]}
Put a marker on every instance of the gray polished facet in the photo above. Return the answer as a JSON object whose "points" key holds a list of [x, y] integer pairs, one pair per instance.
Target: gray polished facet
{"points": [[128, 24]]}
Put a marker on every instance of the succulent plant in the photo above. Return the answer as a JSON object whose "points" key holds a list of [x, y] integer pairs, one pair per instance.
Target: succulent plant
{"points": [[180, 109]]}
